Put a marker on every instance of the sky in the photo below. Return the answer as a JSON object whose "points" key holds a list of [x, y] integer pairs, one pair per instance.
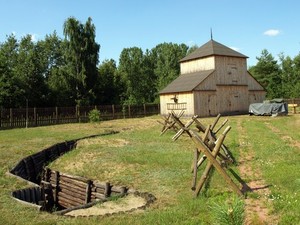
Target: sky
{"points": [[246, 26]]}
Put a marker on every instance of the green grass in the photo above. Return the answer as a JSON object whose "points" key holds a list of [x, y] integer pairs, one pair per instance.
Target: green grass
{"points": [[279, 161], [139, 158]]}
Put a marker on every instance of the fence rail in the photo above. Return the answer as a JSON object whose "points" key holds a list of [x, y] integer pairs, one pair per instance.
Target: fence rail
{"points": [[33, 117]]}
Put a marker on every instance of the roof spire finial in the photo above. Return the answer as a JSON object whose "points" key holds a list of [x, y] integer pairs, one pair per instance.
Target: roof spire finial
{"points": [[211, 34]]}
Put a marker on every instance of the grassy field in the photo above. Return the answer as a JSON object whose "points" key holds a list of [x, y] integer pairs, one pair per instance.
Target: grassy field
{"points": [[139, 158]]}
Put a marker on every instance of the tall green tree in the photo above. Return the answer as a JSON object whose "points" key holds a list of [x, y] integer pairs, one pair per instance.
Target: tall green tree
{"points": [[53, 49], [150, 86], [167, 68], [288, 76], [107, 90], [268, 73], [295, 93], [82, 58], [132, 76], [30, 70], [11, 90]]}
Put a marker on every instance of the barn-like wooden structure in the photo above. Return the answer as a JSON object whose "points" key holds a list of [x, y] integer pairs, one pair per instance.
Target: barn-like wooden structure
{"points": [[213, 79]]}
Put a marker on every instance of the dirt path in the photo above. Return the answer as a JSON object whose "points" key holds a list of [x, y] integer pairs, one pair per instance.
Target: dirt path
{"points": [[257, 205], [286, 138]]}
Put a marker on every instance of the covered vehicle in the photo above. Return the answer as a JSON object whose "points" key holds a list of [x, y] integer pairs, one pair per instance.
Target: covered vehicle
{"points": [[273, 107]]}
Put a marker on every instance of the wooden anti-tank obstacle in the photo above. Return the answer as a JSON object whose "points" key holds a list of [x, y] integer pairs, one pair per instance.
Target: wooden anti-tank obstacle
{"points": [[169, 123], [210, 146]]}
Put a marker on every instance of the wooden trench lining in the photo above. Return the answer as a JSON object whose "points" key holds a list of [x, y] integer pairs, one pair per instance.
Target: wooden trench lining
{"points": [[58, 192]]}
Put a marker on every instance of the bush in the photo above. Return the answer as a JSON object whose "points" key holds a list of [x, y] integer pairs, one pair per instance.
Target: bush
{"points": [[229, 213], [94, 116]]}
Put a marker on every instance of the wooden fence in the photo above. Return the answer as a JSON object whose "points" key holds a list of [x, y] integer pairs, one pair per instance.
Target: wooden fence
{"points": [[293, 101], [32, 117]]}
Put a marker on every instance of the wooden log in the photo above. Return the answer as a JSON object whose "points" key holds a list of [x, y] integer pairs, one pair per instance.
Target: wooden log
{"points": [[215, 163], [118, 189], [168, 126], [200, 126], [215, 122], [207, 132], [107, 190], [67, 203], [98, 195], [33, 195], [202, 159], [183, 129], [100, 185], [181, 125], [222, 125], [69, 198], [166, 119], [77, 178], [196, 156], [88, 192], [73, 181], [73, 194], [55, 189], [70, 187], [209, 165], [31, 174], [27, 195]]}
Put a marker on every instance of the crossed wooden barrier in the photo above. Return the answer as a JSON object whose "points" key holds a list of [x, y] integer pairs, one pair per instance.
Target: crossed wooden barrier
{"points": [[209, 146], [169, 123]]}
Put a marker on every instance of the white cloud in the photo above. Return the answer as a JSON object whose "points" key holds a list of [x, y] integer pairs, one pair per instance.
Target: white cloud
{"points": [[190, 43], [34, 37], [235, 48], [272, 32]]}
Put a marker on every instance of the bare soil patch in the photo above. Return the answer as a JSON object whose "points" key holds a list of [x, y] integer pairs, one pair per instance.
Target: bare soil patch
{"points": [[101, 141], [125, 204]]}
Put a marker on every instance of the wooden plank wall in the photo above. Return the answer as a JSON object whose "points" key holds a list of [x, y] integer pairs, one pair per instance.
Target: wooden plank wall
{"points": [[71, 191], [30, 168], [185, 97], [32, 195], [197, 65]]}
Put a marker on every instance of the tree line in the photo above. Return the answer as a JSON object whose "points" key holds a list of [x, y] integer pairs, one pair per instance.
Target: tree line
{"points": [[280, 78], [66, 71]]}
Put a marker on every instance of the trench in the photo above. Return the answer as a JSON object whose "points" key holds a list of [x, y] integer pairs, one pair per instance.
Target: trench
{"points": [[60, 193]]}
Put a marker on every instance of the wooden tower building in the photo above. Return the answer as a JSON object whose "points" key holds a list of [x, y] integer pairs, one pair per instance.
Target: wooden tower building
{"points": [[213, 79]]}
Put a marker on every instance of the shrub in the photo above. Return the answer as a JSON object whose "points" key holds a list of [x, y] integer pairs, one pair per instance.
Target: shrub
{"points": [[229, 213], [94, 116]]}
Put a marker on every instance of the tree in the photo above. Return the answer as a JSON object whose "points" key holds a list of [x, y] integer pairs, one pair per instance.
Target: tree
{"points": [[53, 49], [132, 76], [268, 73], [107, 91], [288, 78], [10, 85], [295, 93], [150, 85], [167, 68], [82, 58], [30, 70]]}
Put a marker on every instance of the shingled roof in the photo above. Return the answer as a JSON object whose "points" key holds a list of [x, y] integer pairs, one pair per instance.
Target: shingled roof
{"points": [[186, 82], [212, 48]]}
